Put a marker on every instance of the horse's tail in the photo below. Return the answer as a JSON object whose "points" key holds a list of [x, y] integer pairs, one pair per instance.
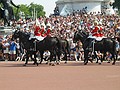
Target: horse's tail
{"points": [[114, 44], [59, 45], [114, 47], [68, 47]]}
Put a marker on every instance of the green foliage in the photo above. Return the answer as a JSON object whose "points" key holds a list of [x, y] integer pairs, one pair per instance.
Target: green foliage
{"points": [[28, 9], [116, 4], [38, 8]]}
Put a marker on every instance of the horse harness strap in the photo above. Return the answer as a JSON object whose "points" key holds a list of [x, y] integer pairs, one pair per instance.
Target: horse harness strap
{"points": [[35, 45], [93, 47]]}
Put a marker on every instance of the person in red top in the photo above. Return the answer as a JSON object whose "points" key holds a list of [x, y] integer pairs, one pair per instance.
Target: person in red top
{"points": [[48, 28], [39, 32], [96, 34], [97, 31]]}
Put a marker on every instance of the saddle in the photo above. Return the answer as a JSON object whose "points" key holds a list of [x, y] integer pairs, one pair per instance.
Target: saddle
{"points": [[96, 38]]}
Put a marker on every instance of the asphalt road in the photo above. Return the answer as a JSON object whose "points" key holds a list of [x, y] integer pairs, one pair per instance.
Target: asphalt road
{"points": [[71, 76]]}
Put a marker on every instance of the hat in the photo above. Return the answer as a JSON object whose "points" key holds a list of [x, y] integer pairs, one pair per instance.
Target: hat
{"points": [[100, 23], [48, 24], [27, 29], [43, 24], [18, 26], [96, 22]]}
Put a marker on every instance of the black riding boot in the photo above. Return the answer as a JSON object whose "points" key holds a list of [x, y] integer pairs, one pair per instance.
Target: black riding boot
{"points": [[33, 47], [90, 45]]}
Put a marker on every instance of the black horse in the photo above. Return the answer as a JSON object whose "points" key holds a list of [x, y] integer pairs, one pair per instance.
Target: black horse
{"points": [[105, 45], [49, 43], [65, 47], [25, 44]]}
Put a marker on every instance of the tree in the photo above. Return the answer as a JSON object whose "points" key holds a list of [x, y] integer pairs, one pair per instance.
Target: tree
{"points": [[38, 8], [22, 8], [28, 9], [116, 4]]}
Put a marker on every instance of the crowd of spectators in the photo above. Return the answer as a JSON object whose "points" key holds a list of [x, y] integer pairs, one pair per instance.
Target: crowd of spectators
{"points": [[65, 26]]}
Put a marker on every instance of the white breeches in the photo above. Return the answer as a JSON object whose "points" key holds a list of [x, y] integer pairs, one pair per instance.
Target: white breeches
{"points": [[40, 38]]}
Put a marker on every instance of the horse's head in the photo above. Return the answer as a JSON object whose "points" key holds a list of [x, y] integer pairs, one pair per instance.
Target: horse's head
{"points": [[24, 36], [79, 35], [76, 37], [16, 34]]}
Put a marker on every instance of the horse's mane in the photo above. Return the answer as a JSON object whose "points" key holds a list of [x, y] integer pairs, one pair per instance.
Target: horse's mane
{"points": [[25, 34], [83, 33]]}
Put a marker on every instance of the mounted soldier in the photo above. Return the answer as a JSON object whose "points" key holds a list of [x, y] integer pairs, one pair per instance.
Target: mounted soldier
{"points": [[8, 11], [96, 35], [97, 31], [41, 31]]}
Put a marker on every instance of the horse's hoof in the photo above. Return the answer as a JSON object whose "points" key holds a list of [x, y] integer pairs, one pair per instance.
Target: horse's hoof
{"points": [[96, 62], [33, 63], [65, 62], [46, 62], [113, 63], [91, 61], [40, 63], [24, 65], [58, 63], [49, 63], [99, 63], [53, 64], [37, 64], [85, 63], [108, 62]]}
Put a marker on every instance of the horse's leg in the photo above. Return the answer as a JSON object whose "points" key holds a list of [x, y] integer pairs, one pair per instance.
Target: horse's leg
{"points": [[41, 55], [65, 57], [51, 58], [27, 58], [34, 59], [57, 54], [58, 58], [68, 52], [54, 59], [98, 58], [114, 55], [86, 57], [104, 55]]}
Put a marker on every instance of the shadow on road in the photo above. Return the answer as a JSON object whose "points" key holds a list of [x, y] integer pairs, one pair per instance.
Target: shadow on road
{"points": [[77, 64]]}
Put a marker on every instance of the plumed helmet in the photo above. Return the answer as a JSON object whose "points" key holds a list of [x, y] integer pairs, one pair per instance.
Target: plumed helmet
{"points": [[48, 24], [100, 23], [43, 24], [95, 22]]}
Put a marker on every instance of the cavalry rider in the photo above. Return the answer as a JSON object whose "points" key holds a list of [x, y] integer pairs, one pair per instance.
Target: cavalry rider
{"points": [[96, 34], [97, 31], [37, 34], [40, 32], [48, 28]]}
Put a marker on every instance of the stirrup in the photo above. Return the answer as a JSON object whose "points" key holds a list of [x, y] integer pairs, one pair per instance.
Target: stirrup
{"points": [[90, 49]]}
